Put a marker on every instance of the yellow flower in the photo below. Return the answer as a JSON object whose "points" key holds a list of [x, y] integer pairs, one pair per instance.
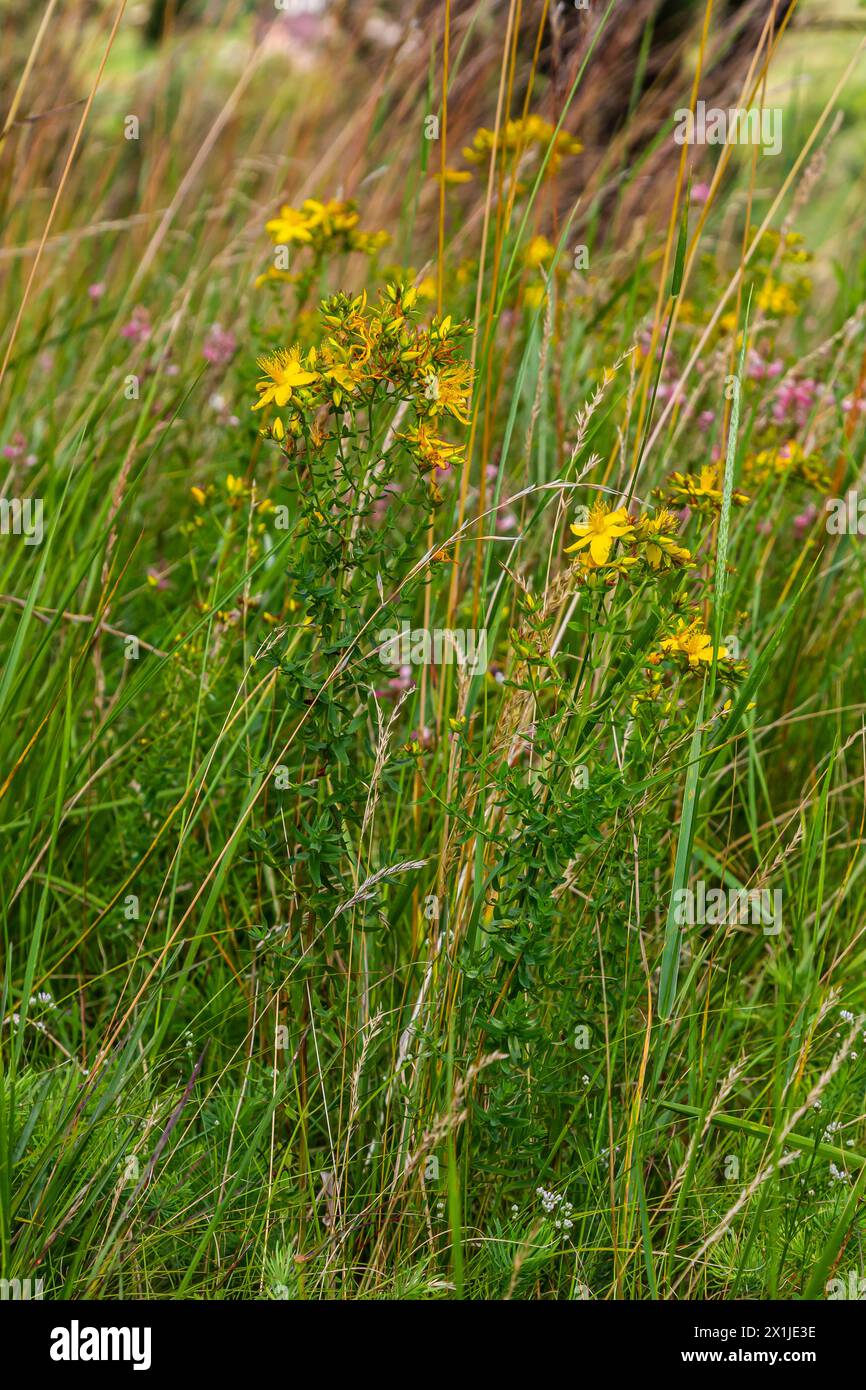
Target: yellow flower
{"points": [[272, 273], [432, 452], [788, 461], [235, 487], [657, 535], [537, 252], [331, 217], [198, 495], [694, 643], [368, 243], [598, 534], [702, 489], [449, 390], [345, 375], [454, 176], [321, 224], [776, 298], [519, 135], [289, 226], [483, 142], [284, 372]]}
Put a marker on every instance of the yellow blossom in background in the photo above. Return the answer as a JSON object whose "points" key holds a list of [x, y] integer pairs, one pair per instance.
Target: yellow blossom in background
{"points": [[788, 461], [776, 298], [369, 243], [273, 273], [534, 295], [321, 226], [538, 251], [333, 216], [288, 227], [598, 534], [453, 176], [791, 245], [518, 136]]}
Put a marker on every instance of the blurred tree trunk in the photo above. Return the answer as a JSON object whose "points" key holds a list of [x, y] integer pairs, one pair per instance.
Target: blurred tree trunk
{"points": [[642, 71], [162, 17]]}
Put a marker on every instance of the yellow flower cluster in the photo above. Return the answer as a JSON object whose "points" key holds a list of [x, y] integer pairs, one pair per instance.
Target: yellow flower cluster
{"points": [[517, 136], [323, 227], [787, 462], [597, 535], [652, 541], [284, 372], [693, 642], [365, 347], [702, 491], [774, 297], [651, 538], [690, 647], [789, 246]]}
